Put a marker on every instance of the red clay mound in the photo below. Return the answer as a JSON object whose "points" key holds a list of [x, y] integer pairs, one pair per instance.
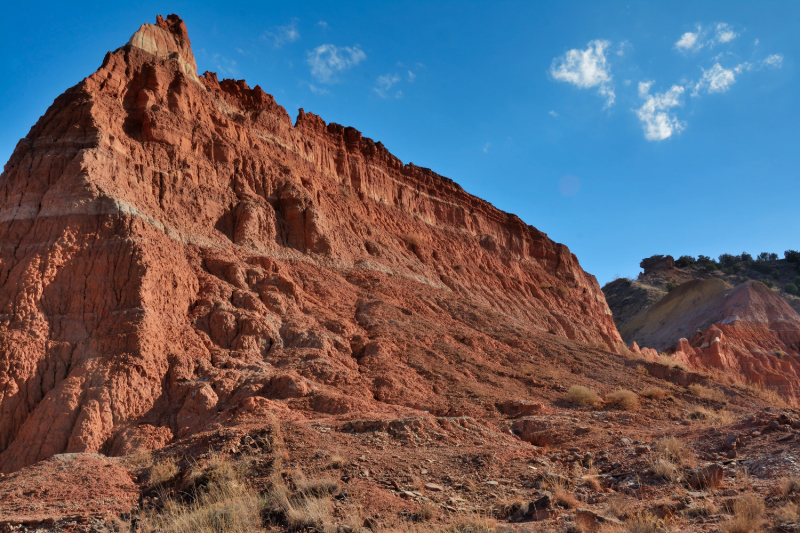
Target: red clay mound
{"points": [[176, 252], [748, 332], [65, 486]]}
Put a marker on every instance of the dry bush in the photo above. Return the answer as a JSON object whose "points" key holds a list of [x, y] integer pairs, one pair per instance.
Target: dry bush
{"points": [[336, 461], [675, 451], [563, 291], [599, 345], [141, 459], [706, 393], [747, 515], [580, 395], [704, 508], [624, 399], [787, 486], [668, 360], [162, 472], [641, 369], [709, 416], [562, 496], [227, 504], [310, 506], [665, 469], [770, 395], [787, 513], [429, 511], [655, 393], [617, 506], [644, 522], [504, 508]]}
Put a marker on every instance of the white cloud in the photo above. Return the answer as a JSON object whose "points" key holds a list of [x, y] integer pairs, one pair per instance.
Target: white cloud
{"points": [[318, 90], [690, 41], [724, 33], [486, 148], [775, 61], [655, 115], [328, 60], [756, 42], [384, 83], [411, 76], [322, 24], [281, 35], [553, 114], [586, 69], [717, 79]]}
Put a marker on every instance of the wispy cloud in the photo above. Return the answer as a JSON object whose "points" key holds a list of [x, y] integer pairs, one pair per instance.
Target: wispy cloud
{"points": [[586, 69], [725, 33], [658, 122], [775, 61], [327, 60], [411, 76], [225, 65], [280, 35], [486, 148], [553, 114], [384, 84], [322, 24], [692, 41]]}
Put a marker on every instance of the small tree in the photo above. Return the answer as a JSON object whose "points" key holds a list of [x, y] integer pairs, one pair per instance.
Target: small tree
{"points": [[763, 256], [773, 257], [793, 256], [791, 288], [746, 257], [728, 260], [685, 261]]}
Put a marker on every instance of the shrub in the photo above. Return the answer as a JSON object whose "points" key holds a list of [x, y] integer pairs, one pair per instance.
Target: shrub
{"points": [[768, 282], [712, 417], [685, 261], [675, 451], [791, 288], [644, 522], [163, 471], [707, 394], [580, 395], [653, 392], [624, 399], [763, 256], [670, 286], [747, 513], [793, 256], [728, 260], [668, 360]]}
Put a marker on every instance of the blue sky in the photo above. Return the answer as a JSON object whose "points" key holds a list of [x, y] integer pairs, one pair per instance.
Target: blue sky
{"points": [[620, 129]]}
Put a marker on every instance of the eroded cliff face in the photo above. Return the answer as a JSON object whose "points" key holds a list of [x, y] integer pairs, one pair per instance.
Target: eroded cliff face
{"points": [[176, 252]]}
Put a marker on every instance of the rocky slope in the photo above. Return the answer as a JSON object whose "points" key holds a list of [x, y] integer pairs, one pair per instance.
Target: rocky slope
{"points": [[175, 251], [748, 331]]}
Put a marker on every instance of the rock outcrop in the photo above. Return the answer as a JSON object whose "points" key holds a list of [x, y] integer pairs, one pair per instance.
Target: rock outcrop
{"points": [[176, 252]]}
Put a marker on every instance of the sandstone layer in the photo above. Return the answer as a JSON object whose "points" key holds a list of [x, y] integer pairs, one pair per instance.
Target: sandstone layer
{"points": [[176, 252]]}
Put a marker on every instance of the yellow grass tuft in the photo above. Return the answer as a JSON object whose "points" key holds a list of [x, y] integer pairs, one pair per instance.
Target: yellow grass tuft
{"points": [[580, 395]]}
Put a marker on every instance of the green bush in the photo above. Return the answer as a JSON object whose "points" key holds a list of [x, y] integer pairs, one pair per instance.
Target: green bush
{"points": [[685, 261], [793, 256], [746, 257], [768, 282], [791, 288], [671, 286], [728, 260]]}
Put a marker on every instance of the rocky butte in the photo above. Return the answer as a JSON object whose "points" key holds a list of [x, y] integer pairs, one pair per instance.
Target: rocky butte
{"points": [[192, 288], [175, 251]]}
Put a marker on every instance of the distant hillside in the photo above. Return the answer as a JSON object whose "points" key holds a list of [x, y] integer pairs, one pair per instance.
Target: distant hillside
{"points": [[627, 297], [737, 314]]}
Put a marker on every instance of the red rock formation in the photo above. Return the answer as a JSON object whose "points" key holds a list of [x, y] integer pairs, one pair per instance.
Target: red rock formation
{"points": [[175, 251], [755, 336]]}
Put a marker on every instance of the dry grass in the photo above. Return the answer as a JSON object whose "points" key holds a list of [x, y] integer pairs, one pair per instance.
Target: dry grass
{"points": [[580, 395], [562, 496], [704, 508], [336, 461], [707, 394], [429, 511], [624, 399], [142, 459], [162, 472], [672, 457], [668, 360], [787, 486], [747, 515], [770, 395], [788, 513], [599, 345], [226, 504], [710, 416], [675, 451], [644, 522], [656, 393]]}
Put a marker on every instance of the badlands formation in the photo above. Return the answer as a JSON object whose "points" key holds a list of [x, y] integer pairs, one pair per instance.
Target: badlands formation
{"points": [[214, 319]]}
